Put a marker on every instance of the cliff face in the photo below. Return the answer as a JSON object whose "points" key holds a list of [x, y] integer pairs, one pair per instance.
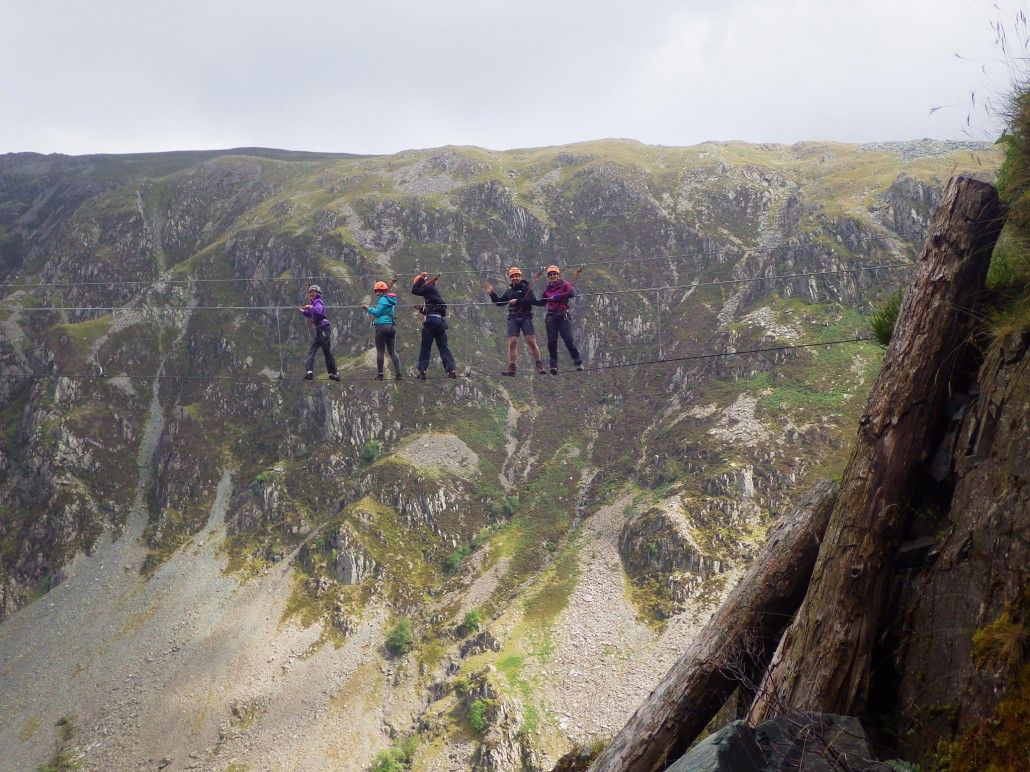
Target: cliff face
{"points": [[961, 635], [157, 471]]}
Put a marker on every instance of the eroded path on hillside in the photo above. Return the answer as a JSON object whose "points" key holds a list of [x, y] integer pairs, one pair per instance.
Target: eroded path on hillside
{"points": [[605, 660]]}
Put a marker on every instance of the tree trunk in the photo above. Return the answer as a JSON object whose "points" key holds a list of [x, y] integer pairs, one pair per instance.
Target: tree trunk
{"points": [[823, 662], [739, 638]]}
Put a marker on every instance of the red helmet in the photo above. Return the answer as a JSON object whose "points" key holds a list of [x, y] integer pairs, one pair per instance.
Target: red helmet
{"points": [[513, 271], [380, 286]]}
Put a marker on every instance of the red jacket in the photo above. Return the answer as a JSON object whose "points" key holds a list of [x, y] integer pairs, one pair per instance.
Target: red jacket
{"points": [[556, 296]]}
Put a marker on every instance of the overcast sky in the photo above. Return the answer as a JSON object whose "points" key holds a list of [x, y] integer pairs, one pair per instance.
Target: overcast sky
{"points": [[371, 76]]}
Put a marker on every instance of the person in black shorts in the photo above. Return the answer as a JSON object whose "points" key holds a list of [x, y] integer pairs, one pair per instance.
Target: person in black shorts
{"points": [[520, 300]]}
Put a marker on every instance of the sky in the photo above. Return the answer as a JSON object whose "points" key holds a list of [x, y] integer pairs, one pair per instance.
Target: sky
{"points": [[380, 76]]}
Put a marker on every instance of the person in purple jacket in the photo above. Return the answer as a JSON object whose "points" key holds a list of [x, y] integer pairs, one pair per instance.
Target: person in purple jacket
{"points": [[315, 312], [556, 296]]}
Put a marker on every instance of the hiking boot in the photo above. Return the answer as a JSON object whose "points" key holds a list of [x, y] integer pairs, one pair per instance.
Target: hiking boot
{"points": [[398, 377], [309, 375], [554, 370], [379, 376], [579, 367], [540, 367], [421, 375], [510, 371], [334, 376], [451, 374]]}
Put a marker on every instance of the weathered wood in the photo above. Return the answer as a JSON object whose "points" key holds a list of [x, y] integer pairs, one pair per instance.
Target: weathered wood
{"points": [[740, 636], [823, 662]]}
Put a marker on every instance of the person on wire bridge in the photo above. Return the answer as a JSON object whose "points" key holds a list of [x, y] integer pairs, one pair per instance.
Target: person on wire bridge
{"points": [[556, 297], [519, 299], [322, 331], [434, 328], [384, 324]]}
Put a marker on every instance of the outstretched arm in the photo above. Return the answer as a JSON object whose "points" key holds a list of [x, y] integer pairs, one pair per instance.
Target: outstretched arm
{"points": [[499, 300]]}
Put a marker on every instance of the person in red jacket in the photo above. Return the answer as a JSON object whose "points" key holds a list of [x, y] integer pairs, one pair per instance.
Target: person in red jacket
{"points": [[556, 297]]}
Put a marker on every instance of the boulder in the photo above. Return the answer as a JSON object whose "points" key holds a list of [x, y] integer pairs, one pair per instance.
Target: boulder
{"points": [[815, 742], [732, 749]]}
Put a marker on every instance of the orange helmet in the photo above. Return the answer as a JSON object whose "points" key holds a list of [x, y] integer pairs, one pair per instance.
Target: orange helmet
{"points": [[553, 269], [380, 286], [513, 271]]}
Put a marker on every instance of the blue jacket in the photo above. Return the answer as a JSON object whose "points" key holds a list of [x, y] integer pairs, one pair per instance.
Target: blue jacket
{"points": [[382, 312]]}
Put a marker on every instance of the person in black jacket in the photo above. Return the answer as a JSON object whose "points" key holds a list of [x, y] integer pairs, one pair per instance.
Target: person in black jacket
{"points": [[434, 328], [519, 299]]}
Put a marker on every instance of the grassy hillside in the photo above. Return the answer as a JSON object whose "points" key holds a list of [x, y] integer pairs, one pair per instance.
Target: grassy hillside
{"points": [[551, 543]]}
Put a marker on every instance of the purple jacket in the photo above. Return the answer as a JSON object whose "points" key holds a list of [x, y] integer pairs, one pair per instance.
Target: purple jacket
{"points": [[317, 314], [557, 295]]}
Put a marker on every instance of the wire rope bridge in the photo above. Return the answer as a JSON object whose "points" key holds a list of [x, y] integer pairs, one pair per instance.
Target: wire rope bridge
{"points": [[659, 291]]}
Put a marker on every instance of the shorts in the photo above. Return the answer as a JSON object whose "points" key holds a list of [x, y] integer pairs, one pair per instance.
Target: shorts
{"points": [[524, 325]]}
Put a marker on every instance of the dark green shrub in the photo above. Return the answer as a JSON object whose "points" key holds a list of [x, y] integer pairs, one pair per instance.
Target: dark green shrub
{"points": [[456, 558], [400, 639], [884, 319], [471, 623], [398, 757], [1009, 272], [504, 507], [477, 715], [371, 451]]}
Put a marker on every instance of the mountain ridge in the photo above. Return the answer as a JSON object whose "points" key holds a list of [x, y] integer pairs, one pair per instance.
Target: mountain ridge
{"points": [[314, 493]]}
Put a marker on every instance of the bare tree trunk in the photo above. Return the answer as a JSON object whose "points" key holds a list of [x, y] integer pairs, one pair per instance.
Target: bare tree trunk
{"points": [[823, 662], [742, 634]]}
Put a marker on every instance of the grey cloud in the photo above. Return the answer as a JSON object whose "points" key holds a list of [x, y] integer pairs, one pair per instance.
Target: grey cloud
{"points": [[384, 76]]}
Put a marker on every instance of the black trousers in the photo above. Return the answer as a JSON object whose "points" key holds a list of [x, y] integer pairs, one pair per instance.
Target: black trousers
{"points": [[386, 335], [560, 324], [434, 328], [321, 341]]}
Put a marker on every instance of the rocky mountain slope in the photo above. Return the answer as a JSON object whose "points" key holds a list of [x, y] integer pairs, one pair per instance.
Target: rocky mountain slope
{"points": [[204, 564]]}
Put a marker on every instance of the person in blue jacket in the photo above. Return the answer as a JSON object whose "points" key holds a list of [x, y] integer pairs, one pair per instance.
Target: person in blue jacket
{"points": [[315, 312], [384, 322]]}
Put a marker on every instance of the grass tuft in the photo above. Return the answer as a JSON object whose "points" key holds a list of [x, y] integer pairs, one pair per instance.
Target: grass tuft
{"points": [[398, 757], [884, 319]]}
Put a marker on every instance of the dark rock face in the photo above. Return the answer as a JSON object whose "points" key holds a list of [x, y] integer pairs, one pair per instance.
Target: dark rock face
{"points": [[349, 562], [908, 205], [658, 544], [820, 742], [976, 576], [479, 644]]}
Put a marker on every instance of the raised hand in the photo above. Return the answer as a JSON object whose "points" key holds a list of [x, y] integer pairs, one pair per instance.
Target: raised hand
{"points": [[489, 287], [431, 281]]}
